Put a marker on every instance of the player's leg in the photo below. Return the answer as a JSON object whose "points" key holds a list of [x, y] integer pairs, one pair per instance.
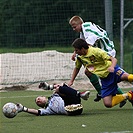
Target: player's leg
{"points": [[66, 90], [119, 91], [119, 75], [111, 101], [124, 101], [110, 89], [95, 82], [129, 78], [85, 95], [46, 86], [69, 95], [119, 98], [109, 85], [110, 98], [107, 100]]}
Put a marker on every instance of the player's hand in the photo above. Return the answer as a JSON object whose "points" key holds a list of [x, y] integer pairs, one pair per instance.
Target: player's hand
{"points": [[111, 69], [21, 108], [73, 56], [70, 83]]}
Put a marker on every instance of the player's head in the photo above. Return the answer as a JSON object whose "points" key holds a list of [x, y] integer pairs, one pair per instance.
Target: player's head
{"points": [[41, 101], [80, 46], [76, 23]]}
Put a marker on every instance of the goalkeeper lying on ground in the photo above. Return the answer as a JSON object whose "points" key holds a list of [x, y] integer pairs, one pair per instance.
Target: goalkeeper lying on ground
{"points": [[65, 100]]}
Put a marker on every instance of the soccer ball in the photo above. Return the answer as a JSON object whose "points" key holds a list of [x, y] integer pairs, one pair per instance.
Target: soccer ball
{"points": [[10, 110]]}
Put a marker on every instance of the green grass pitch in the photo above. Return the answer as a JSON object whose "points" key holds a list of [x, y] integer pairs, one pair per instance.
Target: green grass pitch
{"points": [[95, 117]]}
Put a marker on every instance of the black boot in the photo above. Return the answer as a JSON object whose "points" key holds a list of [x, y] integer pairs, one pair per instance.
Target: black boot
{"points": [[46, 86], [98, 98]]}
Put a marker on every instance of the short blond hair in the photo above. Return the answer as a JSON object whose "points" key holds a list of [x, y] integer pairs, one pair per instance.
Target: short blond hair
{"points": [[76, 20]]}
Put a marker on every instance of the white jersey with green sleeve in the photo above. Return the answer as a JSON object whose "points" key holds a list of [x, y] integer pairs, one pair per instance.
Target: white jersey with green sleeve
{"points": [[96, 36]]}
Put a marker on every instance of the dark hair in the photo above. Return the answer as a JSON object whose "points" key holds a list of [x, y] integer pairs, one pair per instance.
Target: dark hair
{"points": [[80, 43]]}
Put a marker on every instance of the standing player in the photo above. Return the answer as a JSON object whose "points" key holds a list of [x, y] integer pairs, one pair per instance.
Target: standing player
{"points": [[97, 37], [105, 66]]}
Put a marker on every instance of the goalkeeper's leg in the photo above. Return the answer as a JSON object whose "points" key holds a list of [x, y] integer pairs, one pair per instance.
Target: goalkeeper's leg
{"points": [[46, 86], [70, 95]]}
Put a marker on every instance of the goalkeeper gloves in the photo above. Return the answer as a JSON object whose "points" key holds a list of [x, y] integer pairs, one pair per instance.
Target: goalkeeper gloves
{"points": [[46, 86], [21, 108]]}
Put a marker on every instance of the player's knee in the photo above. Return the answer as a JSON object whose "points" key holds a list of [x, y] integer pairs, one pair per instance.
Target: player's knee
{"points": [[108, 104], [87, 73]]}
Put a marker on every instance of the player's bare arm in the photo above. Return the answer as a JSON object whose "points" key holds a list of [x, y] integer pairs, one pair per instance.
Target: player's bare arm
{"points": [[75, 72], [114, 62], [73, 56]]}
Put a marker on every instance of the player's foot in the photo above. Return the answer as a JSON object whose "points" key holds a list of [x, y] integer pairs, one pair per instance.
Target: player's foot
{"points": [[46, 86], [85, 95], [123, 103], [98, 98], [131, 99]]}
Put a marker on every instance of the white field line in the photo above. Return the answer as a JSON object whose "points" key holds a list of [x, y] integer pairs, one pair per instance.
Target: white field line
{"points": [[119, 132], [91, 94], [20, 96]]}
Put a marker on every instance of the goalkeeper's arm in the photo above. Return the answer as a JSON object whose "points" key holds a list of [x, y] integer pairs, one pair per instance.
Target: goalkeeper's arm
{"points": [[33, 111], [22, 108]]}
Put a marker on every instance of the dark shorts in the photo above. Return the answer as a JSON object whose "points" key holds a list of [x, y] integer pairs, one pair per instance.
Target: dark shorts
{"points": [[109, 84], [71, 96]]}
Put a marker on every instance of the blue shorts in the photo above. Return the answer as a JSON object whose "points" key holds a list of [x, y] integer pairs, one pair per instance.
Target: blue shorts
{"points": [[109, 84]]}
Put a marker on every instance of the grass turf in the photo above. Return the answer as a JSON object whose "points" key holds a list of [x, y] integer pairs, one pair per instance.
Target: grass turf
{"points": [[95, 117]]}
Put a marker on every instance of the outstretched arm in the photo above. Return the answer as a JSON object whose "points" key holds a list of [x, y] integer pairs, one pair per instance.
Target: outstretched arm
{"points": [[22, 108], [33, 111]]}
